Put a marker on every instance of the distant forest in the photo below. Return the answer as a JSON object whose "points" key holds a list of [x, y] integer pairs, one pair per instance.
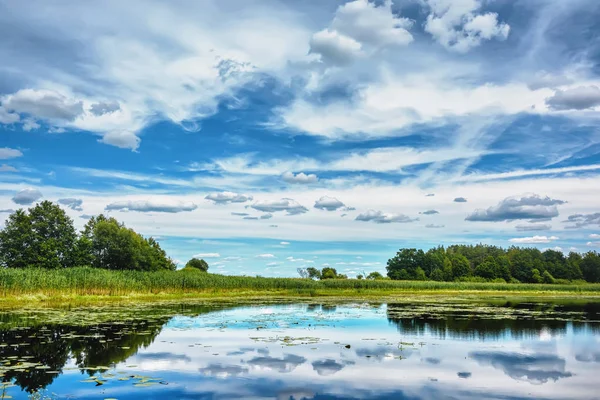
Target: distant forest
{"points": [[491, 263]]}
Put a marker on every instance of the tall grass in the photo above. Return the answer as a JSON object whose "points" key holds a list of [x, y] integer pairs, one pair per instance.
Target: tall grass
{"points": [[90, 281]]}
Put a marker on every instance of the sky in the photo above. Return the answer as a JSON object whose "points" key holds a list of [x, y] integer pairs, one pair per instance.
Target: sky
{"points": [[270, 135]]}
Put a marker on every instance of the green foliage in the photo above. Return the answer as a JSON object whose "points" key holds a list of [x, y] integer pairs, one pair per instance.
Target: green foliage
{"points": [[328, 273], [547, 278], [359, 277], [482, 263], [590, 266], [42, 237], [375, 276], [197, 263], [313, 273]]}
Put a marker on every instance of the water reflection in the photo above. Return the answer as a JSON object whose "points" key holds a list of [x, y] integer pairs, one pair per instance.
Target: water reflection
{"points": [[305, 351]]}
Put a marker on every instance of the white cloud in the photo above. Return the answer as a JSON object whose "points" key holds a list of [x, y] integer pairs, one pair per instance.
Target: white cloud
{"points": [[533, 227], [72, 203], [300, 177], [7, 168], [164, 206], [594, 236], [265, 256], [534, 239], [149, 69], [371, 24], [577, 98], [292, 207], [206, 255], [380, 217], [593, 244], [7, 153], [8, 118], [457, 26], [228, 197], [529, 206], [334, 48], [328, 203], [27, 196], [43, 104], [284, 243]]}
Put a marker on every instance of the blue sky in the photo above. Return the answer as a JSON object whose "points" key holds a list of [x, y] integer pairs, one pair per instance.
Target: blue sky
{"points": [[269, 135]]}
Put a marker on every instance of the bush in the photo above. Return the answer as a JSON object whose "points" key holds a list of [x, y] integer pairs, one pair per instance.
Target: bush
{"points": [[548, 278], [198, 264]]}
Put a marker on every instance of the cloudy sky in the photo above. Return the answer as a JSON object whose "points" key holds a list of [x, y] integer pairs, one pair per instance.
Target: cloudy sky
{"points": [[267, 135]]}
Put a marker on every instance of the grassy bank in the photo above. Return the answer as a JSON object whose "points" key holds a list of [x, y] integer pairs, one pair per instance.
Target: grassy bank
{"points": [[37, 284]]}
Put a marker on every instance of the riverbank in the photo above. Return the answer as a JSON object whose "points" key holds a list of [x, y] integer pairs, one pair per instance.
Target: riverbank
{"points": [[96, 285]]}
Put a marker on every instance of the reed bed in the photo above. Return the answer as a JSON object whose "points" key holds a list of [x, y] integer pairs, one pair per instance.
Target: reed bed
{"points": [[89, 281]]}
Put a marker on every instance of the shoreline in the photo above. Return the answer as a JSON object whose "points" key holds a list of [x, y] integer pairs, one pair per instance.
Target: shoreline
{"points": [[41, 299]]}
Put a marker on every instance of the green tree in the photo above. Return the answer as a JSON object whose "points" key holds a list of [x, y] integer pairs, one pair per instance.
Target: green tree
{"points": [[359, 277], [460, 266], [313, 273], [407, 260], [329, 273], [437, 275], [42, 237], [535, 276], [547, 277], [197, 263], [590, 267], [374, 276]]}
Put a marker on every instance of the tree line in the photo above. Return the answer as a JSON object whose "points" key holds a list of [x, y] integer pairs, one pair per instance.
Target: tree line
{"points": [[44, 237], [492, 263]]}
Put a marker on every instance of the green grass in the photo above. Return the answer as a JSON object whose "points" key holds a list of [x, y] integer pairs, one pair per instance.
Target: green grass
{"points": [[42, 284]]}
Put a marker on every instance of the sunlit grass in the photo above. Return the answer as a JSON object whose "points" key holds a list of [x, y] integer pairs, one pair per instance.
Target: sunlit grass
{"points": [[98, 282]]}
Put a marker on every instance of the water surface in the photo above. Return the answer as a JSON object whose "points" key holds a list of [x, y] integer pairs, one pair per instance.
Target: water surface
{"points": [[442, 350]]}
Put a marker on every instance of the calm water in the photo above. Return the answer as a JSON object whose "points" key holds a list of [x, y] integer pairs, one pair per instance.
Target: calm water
{"points": [[303, 351]]}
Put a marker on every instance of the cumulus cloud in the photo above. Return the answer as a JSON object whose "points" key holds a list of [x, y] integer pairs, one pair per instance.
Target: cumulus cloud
{"points": [[123, 139], [360, 25], [593, 244], [265, 256], [582, 220], [7, 168], [433, 226], [266, 216], [459, 27], [533, 227], [85, 216], [151, 206], [223, 371], [43, 104], [380, 217], [579, 98], [334, 48], [291, 206], [102, 108], [228, 197], [534, 239], [207, 255], [460, 200], [594, 236], [8, 118], [328, 203], [27, 196], [329, 367], [288, 363], [531, 207], [300, 177], [72, 203], [7, 152], [430, 212]]}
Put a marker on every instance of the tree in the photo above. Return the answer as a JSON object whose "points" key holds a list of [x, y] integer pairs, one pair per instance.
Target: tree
{"points": [[535, 276], [547, 277], [460, 266], [359, 277], [406, 259], [374, 276], [197, 263], [437, 275], [313, 273], [42, 237], [590, 267], [329, 273], [302, 272]]}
